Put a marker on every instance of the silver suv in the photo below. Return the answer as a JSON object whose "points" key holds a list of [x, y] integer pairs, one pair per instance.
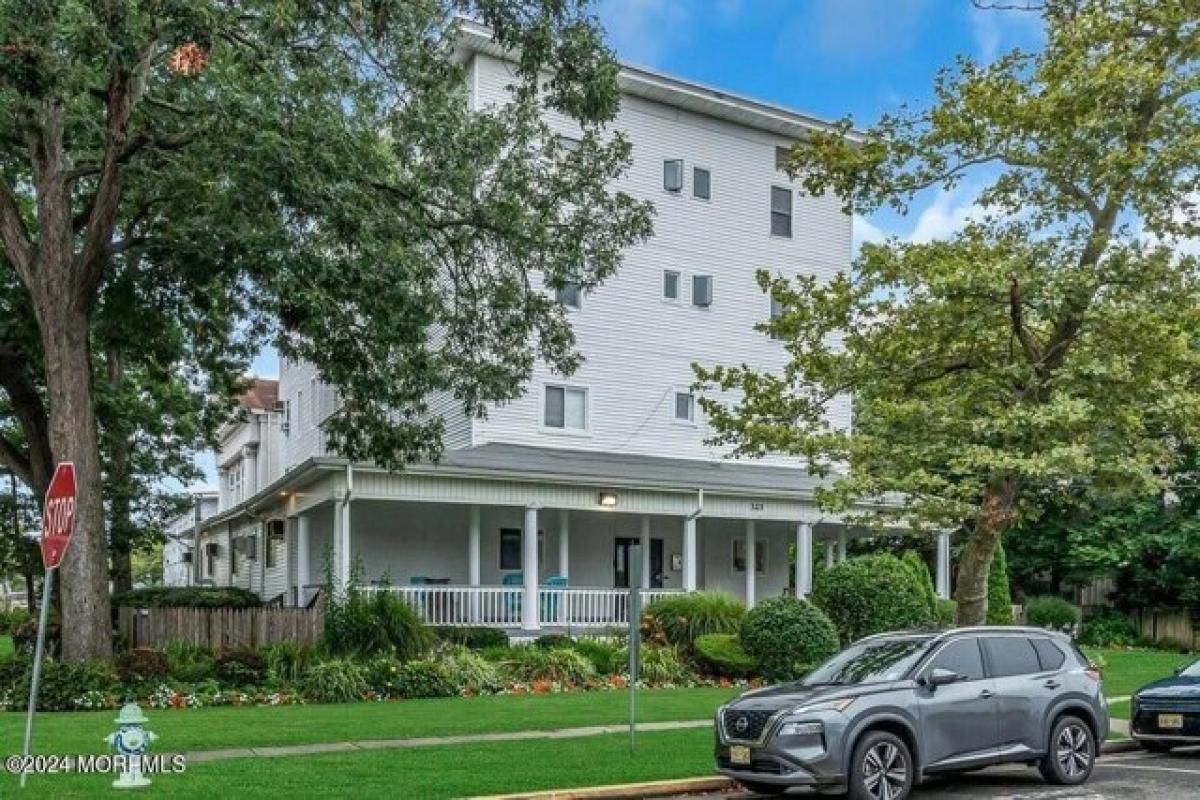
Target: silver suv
{"points": [[878, 717]]}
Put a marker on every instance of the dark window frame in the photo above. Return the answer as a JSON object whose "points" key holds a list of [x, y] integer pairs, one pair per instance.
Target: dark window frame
{"points": [[696, 171], [779, 214], [668, 164]]}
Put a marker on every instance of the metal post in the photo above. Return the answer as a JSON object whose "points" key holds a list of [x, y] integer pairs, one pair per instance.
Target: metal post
{"points": [[38, 654]]}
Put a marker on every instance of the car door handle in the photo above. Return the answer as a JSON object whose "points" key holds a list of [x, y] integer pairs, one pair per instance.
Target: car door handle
{"points": [[1052, 684], [986, 693]]}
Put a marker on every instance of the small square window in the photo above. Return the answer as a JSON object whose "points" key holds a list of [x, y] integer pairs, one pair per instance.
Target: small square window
{"points": [[566, 408], [782, 156], [701, 183], [702, 290], [671, 285], [685, 407], [568, 295], [673, 175], [781, 212]]}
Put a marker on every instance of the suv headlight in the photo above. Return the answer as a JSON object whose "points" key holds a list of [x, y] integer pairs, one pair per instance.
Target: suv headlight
{"points": [[840, 704]]}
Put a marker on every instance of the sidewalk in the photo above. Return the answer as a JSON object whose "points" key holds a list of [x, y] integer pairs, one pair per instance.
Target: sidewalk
{"points": [[202, 756]]}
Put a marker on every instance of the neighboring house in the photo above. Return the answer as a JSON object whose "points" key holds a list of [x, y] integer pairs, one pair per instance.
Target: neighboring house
{"points": [[179, 557], [608, 466]]}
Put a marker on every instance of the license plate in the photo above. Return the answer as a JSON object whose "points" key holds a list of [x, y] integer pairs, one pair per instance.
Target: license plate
{"points": [[1170, 720], [739, 754]]}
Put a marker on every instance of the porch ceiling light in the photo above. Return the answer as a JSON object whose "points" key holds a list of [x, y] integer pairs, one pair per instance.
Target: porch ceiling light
{"points": [[607, 499]]}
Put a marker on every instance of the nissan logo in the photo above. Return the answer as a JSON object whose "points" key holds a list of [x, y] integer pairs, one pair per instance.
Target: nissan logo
{"points": [[741, 725]]}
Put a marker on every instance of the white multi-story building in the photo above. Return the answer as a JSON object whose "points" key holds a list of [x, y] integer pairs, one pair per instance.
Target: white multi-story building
{"points": [[610, 465], [179, 548]]}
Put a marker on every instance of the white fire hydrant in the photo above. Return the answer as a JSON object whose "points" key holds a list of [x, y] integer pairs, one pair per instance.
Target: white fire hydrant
{"points": [[131, 741]]}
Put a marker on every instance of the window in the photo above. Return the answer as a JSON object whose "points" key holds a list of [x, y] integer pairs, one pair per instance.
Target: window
{"points": [[702, 290], [566, 407], [962, 658], [673, 175], [568, 295], [510, 548], [671, 285], [685, 407], [701, 183], [1049, 656], [781, 158], [1011, 655], [760, 556], [568, 144], [781, 212]]}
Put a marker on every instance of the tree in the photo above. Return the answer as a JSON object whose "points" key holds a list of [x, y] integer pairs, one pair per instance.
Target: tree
{"points": [[308, 171], [1050, 344]]}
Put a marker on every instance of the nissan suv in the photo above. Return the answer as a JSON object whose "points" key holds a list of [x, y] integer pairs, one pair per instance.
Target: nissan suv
{"points": [[891, 709]]}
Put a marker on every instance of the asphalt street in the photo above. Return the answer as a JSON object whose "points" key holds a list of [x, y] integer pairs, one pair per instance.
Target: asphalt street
{"points": [[1175, 776]]}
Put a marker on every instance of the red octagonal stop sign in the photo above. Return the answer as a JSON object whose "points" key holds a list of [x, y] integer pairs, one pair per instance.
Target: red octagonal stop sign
{"points": [[58, 515]]}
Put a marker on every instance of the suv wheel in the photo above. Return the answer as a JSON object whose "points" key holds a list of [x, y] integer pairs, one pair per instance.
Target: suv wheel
{"points": [[1072, 753], [882, 768]]}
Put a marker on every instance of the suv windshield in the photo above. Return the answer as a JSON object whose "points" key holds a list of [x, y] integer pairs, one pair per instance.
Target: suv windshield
{"points": [[870, 662]]}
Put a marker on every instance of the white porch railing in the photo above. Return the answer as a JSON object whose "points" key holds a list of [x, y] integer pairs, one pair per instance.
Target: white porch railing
{"points": [[500, 606]]}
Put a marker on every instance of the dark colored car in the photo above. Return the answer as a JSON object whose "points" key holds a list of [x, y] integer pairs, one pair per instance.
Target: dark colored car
{"points": [[1166, 713], [891, 709]]}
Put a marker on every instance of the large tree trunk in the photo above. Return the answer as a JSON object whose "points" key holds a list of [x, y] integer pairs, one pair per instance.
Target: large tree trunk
{"points": [[87, 626], [995, 515]]}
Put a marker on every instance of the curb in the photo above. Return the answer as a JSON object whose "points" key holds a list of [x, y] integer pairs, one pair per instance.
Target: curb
{"points": [[713, 783]]}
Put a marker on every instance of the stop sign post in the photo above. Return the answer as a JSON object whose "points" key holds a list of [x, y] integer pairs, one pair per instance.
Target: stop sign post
{"points": [[58, 523]]}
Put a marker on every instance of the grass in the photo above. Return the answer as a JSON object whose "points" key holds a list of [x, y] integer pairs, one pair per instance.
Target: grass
{"points": [[223, 727], [432, 772], [6, 645], [1126, 671]]}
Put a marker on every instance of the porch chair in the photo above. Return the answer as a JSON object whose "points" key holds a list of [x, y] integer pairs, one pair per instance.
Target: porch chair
{"points": [[550, 601], [512, 603]]}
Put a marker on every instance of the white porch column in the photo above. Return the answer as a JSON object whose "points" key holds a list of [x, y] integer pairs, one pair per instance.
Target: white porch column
{"points": [[804, 566], [841, 545], [249, 470], [529, 569], [751, 562], [943, 565], [341, 558], [689, 554], [829, 560], [303, 538], [645, 551], [473, 558], [564, 544]]}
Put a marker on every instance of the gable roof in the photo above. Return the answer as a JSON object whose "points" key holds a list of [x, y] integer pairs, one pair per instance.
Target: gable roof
{"points": [[261, 395]]}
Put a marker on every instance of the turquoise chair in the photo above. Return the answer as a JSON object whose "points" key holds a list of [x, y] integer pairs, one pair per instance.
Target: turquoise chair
{"points": [[550, 602], [512, 603]]}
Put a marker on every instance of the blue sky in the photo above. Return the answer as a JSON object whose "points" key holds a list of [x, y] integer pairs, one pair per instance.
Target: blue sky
{"points": [[830, 58]]}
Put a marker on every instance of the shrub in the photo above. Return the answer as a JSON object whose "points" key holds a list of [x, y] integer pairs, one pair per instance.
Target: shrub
{"points": [[722, 654], [565, 666], [338, 680], [947, 613], [473, 638], [187, 597], [604, 654], [11, 620], [871, 594], [189, 662], [240, 667], [63, 683], [1107, 627], [920, 570], [25, 633], [287, 661], [553, 641], [142, 664], [1052, 612], [13, 669], [786, 635], [365, 624], [424, 678], [380, 673], [662, 665], [678, 619], [999, 610], [471, 673]]}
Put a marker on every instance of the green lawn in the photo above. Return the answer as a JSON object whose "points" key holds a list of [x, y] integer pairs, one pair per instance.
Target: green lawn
{"points": [[456, 771], [215, 728], [1126, 671]]}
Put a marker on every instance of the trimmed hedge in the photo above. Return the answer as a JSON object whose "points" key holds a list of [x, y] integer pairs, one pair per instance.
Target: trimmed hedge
{"points": [[999, 611], [787, 636], [871, 594], [947, 613], [187, 597], [920, 570], [722, 654], [679, 619], [1053, 613]]}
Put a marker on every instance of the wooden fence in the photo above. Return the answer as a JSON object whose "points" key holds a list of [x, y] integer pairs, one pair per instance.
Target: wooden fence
{"points": [[1178, 626], [220, 627]]}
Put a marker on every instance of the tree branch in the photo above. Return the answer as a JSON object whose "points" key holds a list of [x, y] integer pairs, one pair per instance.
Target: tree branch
{"points": [[15, 462], [1016, 314], [30, 413], [14, 235]]}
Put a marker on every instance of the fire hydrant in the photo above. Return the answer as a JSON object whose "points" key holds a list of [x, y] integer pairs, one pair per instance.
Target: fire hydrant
{"points": [[131, 741]]}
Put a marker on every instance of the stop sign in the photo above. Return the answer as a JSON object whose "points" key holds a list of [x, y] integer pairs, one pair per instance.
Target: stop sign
{"points": [[58, 515]]}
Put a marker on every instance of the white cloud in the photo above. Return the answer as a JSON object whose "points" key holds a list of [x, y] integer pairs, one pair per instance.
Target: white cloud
{"points": [[843, 30], [997, 31], [864, 231], [946, 215], [642, 31]]}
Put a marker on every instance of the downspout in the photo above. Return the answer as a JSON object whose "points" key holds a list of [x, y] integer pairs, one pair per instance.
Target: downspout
{"points": [[699, 512]]}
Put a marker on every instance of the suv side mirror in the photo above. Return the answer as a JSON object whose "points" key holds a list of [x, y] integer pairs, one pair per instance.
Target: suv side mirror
{"points": [[941, 677]]}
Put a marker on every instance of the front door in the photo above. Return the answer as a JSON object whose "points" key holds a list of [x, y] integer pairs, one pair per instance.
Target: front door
{"points": [[627, 559], [959, 719]]}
